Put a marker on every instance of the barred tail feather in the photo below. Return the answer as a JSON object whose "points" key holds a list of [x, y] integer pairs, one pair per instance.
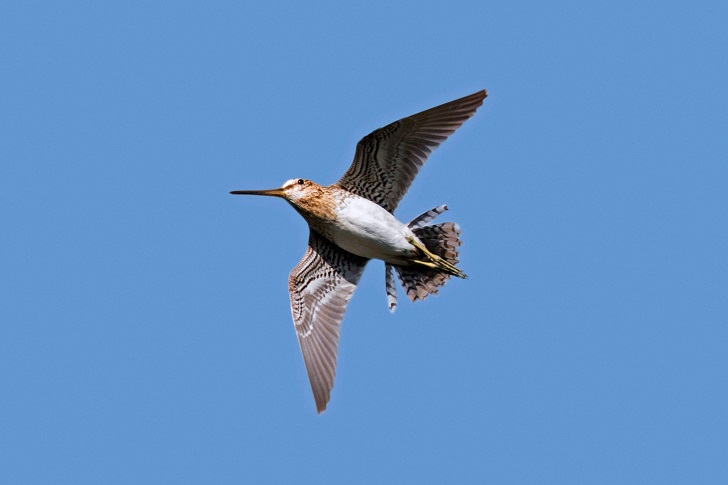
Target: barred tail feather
{"points": [[423, 219], [391, 287], [418, 283], [441, 239]]}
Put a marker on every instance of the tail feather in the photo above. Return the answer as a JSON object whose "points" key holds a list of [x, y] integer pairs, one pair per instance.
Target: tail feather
{"points": [[423, 219], [391, 288], [442, 240], [418, 283]]}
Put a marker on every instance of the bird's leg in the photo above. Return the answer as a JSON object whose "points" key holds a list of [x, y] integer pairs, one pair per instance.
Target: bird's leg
{"points": [[434, 261], [426, 264]]}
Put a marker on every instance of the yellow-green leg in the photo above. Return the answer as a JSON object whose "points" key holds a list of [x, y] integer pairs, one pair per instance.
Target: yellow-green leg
{"points": [[435, 261]]}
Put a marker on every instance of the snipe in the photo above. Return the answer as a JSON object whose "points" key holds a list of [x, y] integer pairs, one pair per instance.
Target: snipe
{"points": [[352, 222]]}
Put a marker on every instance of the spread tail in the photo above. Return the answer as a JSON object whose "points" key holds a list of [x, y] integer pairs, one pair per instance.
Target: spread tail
{"points": [[439, 257]]}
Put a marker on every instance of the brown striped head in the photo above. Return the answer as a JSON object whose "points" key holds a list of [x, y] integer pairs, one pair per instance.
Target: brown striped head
{"points": [[290, 190], [300, 193]]}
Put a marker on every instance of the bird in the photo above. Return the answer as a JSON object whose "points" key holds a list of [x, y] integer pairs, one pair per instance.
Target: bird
{"points": [[352, 221]]}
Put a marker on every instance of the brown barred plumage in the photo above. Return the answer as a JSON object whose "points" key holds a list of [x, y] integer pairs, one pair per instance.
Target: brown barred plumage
{"points": [[388, 159], [320, 286], [356, 213]]}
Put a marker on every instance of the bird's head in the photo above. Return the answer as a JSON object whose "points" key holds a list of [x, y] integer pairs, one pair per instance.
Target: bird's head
{"points": [[294, 191]]}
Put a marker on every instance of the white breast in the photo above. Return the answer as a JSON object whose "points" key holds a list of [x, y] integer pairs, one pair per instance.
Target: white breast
{"points": [[366, 229]]}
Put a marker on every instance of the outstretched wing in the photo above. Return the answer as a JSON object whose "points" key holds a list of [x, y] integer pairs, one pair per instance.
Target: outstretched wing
{"points": [[320, 286], [388, 159]]}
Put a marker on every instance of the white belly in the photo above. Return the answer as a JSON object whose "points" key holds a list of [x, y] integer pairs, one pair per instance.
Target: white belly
{"points": [[364, 228]]}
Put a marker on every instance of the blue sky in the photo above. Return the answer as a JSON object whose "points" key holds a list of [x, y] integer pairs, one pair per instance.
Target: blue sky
{"points": [[145, 333]]}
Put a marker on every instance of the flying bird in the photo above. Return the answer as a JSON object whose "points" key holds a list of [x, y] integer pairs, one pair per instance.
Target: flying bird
{"points": [[352, 221]]}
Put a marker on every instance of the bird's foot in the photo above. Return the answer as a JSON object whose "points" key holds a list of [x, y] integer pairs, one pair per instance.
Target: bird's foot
{"points": [[434, 261]]}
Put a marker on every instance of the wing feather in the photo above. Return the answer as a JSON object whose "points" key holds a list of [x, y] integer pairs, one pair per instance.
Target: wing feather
{"points": [[387, 160], [320, 287]]}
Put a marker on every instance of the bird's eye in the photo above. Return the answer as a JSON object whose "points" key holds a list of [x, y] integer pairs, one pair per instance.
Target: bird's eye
{"points": [[300, 181]]}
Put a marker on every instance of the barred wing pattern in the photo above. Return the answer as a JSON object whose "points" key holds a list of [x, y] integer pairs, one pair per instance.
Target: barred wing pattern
{"points": [[320, 287], [388, 159]]}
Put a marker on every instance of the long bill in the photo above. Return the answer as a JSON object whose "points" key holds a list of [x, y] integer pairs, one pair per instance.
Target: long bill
{"points": [[270, 192]]}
